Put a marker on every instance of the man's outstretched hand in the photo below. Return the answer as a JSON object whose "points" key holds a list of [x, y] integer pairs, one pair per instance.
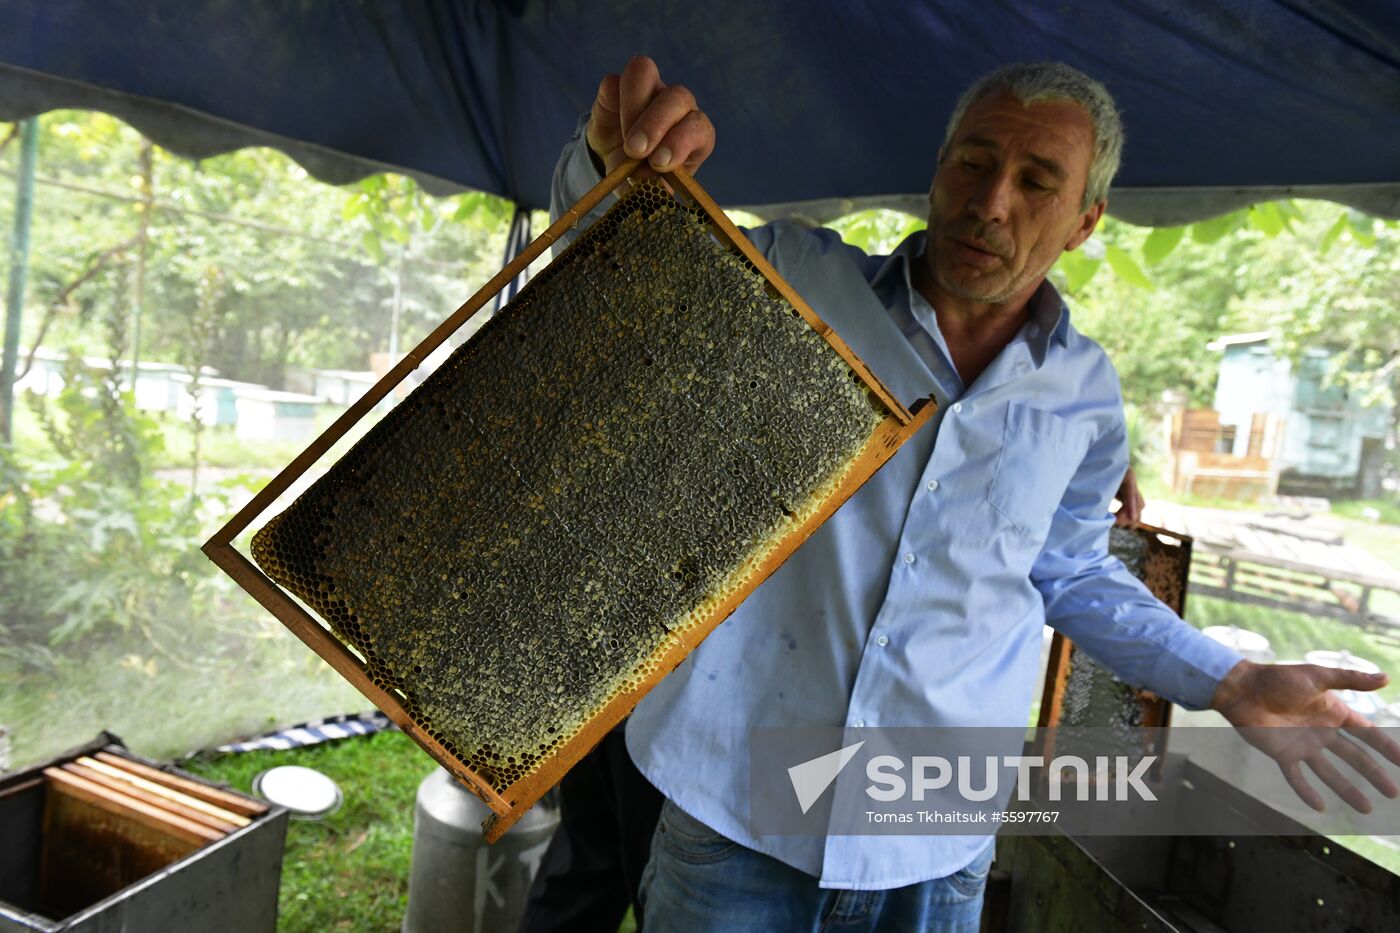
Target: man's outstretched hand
{"points": [[1289, 712], [637, 115]]}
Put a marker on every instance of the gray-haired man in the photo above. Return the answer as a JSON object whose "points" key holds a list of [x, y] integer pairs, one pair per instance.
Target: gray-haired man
{"points": [[921, 602]]}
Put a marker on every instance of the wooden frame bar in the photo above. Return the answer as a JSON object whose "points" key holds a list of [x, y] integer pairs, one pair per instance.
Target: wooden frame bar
{"points": [[181, 803], [899, 424], [232, 803], [122, 804]]}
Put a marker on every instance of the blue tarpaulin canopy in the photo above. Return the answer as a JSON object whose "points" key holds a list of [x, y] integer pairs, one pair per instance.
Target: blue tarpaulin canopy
{"points": [[821, 105]]}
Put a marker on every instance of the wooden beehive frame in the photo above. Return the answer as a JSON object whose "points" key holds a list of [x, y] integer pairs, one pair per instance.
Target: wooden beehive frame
{"points": [[507, 806], [1156, 711]]}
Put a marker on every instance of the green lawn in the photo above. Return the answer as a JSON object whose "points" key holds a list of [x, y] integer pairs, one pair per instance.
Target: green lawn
{"points": [[1293, 634], [350, 871]]}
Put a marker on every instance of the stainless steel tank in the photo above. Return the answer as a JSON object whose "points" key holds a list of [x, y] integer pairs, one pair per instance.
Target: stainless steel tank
{"points": [[458, 883]]}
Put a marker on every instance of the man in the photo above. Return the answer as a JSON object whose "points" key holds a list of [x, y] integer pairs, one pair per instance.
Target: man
{"points": [[921, 602]]}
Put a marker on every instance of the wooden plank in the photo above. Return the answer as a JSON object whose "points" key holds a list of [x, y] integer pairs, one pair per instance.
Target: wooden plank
{"points": [[223, 799], [1305, 567], [61, 782], [1249, 569], [1253, 542], [227, 818], [1294, 530], [1286, 546], [222, 827], [1052, 699]]}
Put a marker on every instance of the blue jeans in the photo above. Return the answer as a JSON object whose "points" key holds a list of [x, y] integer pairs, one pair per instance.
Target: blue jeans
{"points": [[698, 880]]}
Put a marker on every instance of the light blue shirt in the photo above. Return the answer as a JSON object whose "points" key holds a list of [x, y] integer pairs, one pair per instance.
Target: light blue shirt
{"points": [[921, 601]]}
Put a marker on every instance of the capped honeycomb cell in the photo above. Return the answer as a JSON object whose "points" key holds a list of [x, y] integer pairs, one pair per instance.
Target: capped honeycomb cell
{"points": [[578, 494]]}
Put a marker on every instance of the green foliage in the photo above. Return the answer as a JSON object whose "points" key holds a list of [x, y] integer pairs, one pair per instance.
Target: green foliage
{"points": [[93, 545], [1075, 269], [1160, 243], [877, 232], [1293, 634], [1126, 267], [1210, 231], [300, 287]]}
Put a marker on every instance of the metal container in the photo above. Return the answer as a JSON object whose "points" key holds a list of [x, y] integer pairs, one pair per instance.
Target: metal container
{"points": [[459, 883], [67, 868]]}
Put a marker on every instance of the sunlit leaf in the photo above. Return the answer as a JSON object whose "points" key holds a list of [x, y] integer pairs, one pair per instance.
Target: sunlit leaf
{"points": [[1333, 232], [372, 246], [1160, 243], [1363, 227], [1266, 218], [354, 207], [1125, 267], [1208, 231], [1078, 269]]}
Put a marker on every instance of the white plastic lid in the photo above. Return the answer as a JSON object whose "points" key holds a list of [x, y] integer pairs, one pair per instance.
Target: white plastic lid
{"points": [[1341, 659], [306, 792], [1237, 638]]}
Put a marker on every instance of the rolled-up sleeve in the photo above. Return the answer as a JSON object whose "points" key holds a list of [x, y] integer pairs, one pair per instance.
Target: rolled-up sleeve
{"points": [[574, 175], [1094, 600]]}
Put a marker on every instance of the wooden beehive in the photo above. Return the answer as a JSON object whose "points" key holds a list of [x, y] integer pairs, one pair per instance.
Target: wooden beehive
{"points": [[522, 548], [98, 839]]}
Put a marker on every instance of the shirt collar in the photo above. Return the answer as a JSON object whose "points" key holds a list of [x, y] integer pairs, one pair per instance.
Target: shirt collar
{"points": [[1049, 317]]}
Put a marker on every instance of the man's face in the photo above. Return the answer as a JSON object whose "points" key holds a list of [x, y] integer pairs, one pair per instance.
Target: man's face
{"points": [[1005, 200]]}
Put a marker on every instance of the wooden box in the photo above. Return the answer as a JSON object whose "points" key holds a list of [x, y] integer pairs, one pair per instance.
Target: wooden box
{"points": [[99, 839]]}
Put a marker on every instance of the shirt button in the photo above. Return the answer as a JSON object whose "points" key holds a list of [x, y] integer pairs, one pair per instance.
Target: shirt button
{"points": [[933, 485], [957, 406], [883, 640], [909, 558]]}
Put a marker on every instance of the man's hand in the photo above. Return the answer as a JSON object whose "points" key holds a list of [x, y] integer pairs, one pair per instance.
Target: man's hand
{"points": [[637, 115], [1131, 501], [1289, 712]]}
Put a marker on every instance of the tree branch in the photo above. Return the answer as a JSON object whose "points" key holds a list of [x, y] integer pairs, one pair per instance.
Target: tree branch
{"points": [[95, 264]]}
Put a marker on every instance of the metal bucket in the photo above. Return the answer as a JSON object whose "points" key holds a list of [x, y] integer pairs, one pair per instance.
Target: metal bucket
{"points": [[459, 883]]}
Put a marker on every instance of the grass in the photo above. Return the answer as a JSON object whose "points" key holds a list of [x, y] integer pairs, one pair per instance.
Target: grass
{"points": [[1389, 510], [1291, 634], [349, 871]]}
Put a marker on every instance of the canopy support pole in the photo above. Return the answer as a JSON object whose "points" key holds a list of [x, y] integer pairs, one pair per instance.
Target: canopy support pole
{"points": [[516, 240], [19, 270]]}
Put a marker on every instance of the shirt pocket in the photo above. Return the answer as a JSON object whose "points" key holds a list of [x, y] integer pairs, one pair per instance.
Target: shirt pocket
{"points": [[1040, 453]]}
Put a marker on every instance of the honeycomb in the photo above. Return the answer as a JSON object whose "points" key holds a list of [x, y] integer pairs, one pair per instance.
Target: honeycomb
{"points": [[527, 534], [1093, 695]]}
